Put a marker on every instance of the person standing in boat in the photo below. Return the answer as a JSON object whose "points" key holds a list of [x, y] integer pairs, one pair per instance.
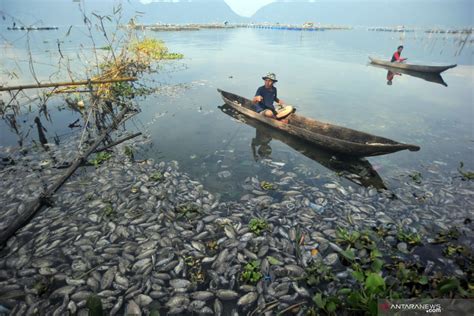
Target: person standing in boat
{"points": [[266, 95], [397, 56]]}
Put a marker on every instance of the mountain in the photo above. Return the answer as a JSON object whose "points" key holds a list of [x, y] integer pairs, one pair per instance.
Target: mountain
{"points": [[67, 12], [421, 13], [61, 12]]}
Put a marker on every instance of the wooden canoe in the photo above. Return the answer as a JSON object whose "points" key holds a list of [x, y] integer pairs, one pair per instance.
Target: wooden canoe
{"points": [[330, 137], [355, 169], [428, 76], [420, 68]]}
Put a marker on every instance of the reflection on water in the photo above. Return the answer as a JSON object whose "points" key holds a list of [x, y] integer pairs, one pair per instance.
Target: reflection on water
{"points": [[392, 73], [359, 171]]}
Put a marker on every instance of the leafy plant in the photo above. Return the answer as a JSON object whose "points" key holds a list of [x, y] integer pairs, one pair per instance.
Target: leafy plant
{"points": [[251, 273], [257, 225], [156, 176], [188, 210], [317, 272], [416, 177], [410, 238], [265, 185], [100, 158], [445, 236], [327, 304]]}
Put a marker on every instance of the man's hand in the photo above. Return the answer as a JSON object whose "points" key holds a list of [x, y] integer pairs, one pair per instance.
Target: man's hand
{"points": [[258, 98]]}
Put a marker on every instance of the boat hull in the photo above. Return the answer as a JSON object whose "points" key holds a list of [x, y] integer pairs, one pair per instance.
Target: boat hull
{"points": [[327, 136], [419, 68]]}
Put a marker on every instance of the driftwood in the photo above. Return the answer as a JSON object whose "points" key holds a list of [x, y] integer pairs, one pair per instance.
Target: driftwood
{"points": [[72, 83], [117, 142], [34, 206]]}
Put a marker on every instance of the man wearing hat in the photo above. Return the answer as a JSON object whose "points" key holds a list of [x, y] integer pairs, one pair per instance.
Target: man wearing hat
{"points": [[266, 95]]}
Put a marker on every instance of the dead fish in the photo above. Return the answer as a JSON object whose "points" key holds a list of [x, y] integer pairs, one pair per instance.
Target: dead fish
{"points": [[247, 299], [227, 295]]}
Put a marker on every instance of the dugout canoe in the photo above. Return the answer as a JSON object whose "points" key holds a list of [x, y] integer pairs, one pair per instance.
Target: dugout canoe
{"points": [[413, 67], [337, 139], [354, 169]]}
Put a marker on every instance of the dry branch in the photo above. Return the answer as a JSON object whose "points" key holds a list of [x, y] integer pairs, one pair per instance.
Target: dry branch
{"points": [[72, 83]]}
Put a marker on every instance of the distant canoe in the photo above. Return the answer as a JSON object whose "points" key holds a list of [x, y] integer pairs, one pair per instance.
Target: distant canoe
{"points": [[327, 136], [420, 68]]}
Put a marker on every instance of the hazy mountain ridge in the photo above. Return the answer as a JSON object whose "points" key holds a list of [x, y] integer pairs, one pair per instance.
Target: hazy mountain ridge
{"points": [[453, 13]]}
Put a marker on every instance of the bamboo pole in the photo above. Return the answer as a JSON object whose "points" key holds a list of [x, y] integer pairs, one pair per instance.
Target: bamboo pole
{"points": [[117, 142], [44, 199], [72, 83]]}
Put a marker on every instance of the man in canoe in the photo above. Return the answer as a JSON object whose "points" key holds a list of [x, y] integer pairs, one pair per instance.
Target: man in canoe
{"points": [[266, 95], [397, 56]]}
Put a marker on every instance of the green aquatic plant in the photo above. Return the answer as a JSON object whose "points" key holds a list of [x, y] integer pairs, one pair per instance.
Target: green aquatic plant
{"points": [[445, 236], [156, 176], [328, 304], [265, 185], [100, 158], [187, 210], [416, 177], [251, 273], [129, 152], [343, 236], [412, 239], [257, 225], [317, 272]]}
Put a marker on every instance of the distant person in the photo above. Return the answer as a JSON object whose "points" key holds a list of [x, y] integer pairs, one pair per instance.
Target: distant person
{"points": [[397, 56], [266, 95]]}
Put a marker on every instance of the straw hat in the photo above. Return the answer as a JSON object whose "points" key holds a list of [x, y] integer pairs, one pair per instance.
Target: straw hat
{"points": [[270, 76]]}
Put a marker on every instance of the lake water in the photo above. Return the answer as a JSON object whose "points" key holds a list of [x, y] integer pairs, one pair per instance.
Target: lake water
{"points": [[324, 74]]}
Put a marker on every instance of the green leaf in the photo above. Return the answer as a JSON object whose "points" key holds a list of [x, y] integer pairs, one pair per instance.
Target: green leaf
{"points": [[331, 307], [348, 254], [377, 265], [354, 299], [318, 299], [448, 285], [374, 283], [375, 254], [423, 280], [345, 291], [358, 275]]}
